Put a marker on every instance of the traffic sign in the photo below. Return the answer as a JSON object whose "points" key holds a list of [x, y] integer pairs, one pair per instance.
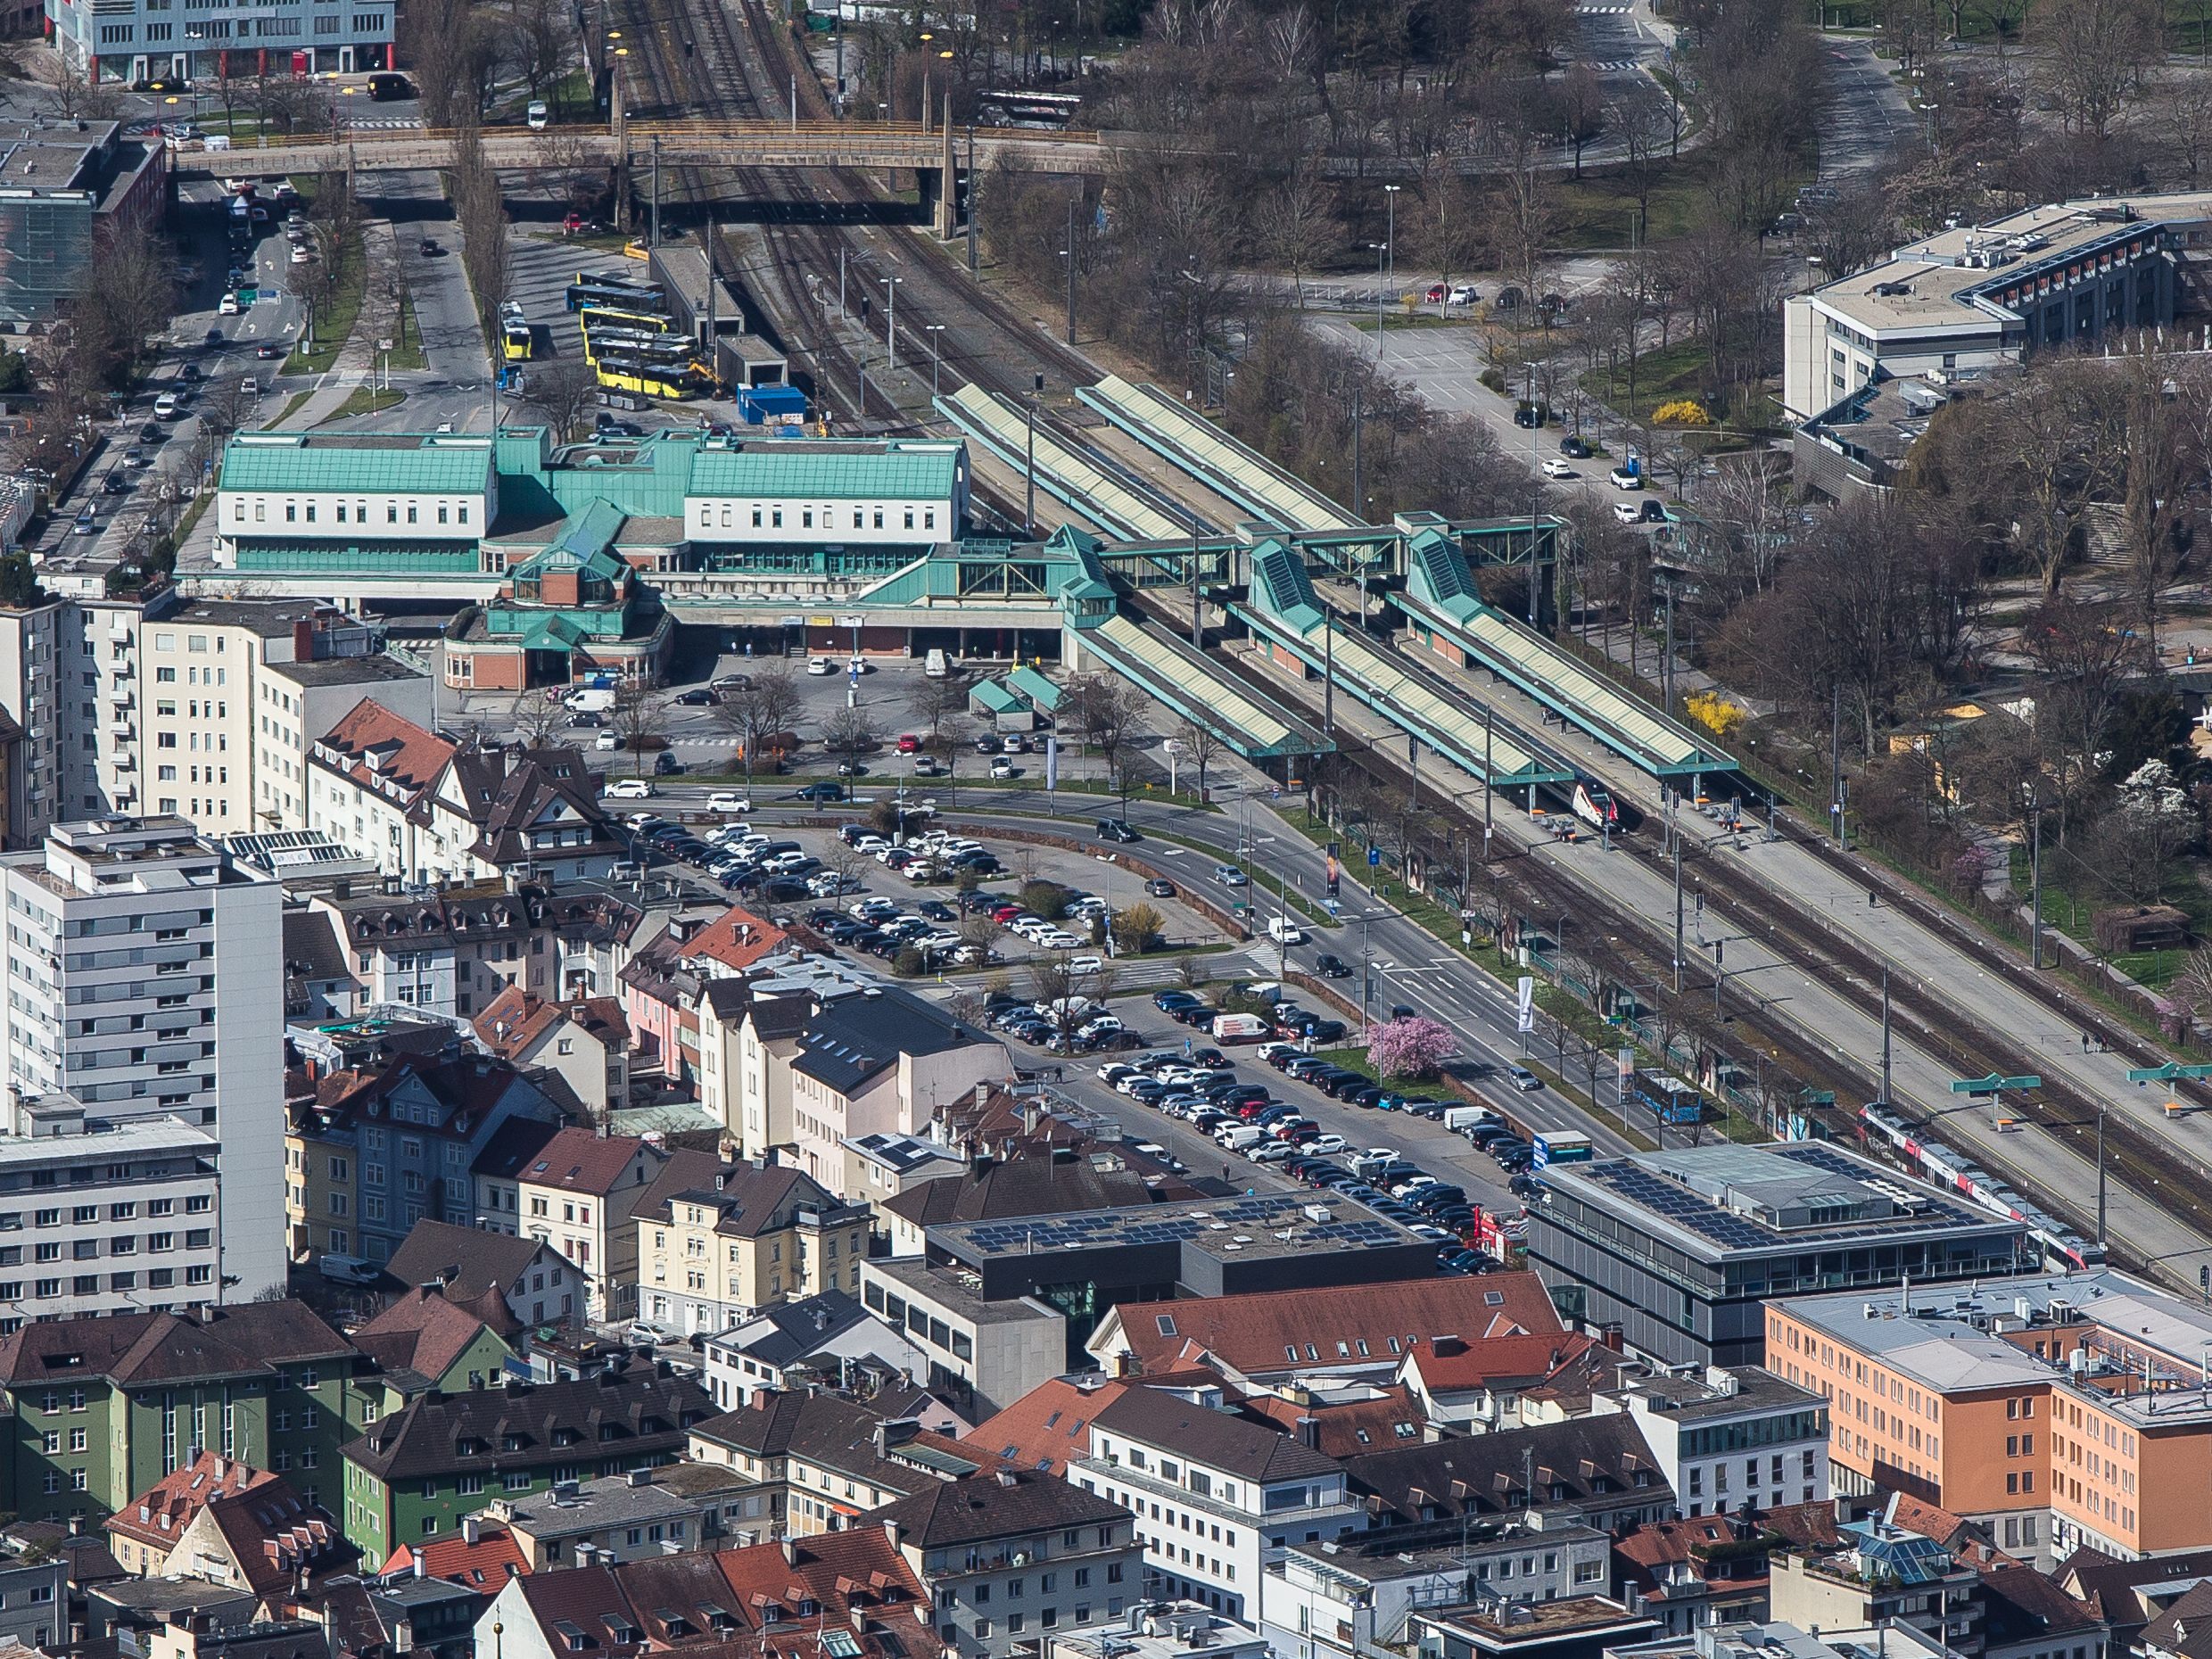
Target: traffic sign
{"points": [[1375, 856]]}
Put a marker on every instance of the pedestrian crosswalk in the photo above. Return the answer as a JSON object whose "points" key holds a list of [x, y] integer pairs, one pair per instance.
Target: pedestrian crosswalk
{"points": [[396, 123], [1611, 66], [1601, 10]]}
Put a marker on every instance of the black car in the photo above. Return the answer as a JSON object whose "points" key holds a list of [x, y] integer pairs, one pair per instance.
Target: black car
{"points": [[1573, 447], [427, 247], [818, 792], [784, 890], [699, 696], [1117, 830], [214, 336], [153, 432], [1368, 1097], [115, 483], [1168, 1002], [266, 350], [937, 909], [1350, 1085], [1332, 967], [190, 371], [1326, 1030]]}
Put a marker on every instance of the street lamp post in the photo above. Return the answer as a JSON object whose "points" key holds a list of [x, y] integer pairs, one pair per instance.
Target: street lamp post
{"points": [[1381, 252]]}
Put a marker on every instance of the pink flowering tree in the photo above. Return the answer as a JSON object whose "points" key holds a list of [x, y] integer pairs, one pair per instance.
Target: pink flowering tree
{"points": [[1414, 1049]]}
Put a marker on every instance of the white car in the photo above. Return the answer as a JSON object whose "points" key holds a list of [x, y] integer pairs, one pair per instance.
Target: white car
{"points": [[608, 741], [1001, 768], [1627, 513], [820, 666], [1327, 1146], [300, 254], [1086, 964], [728, 801], [859, 665], [227, 306], [628, 789], [1624, 479], [1557, 468], [1463, 294]]}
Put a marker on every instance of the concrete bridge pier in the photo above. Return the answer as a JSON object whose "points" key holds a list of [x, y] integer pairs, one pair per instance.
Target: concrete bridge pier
{"points": [[618, 124], [947, 203]]}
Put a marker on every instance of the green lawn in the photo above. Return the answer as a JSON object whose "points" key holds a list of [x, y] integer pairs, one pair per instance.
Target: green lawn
{"points": [[1675, 371], [284, 415], [2073, 894], [368, 401], [408, 352]]}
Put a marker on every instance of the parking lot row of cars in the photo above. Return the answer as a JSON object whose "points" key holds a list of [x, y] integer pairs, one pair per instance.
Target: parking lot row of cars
{"points": [[1203, 1089]]}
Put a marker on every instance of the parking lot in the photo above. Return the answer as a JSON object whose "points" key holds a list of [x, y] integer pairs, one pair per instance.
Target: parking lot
{"points": [[866, 895], [1245, 1084]]}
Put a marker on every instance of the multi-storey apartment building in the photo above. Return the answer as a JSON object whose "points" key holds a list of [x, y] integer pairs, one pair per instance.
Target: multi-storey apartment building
{"points": [[717, 1241], [98, 1217], [1011, 1556], [2060, 1410], [141, 979], [1217, 1496], [205, 708]]}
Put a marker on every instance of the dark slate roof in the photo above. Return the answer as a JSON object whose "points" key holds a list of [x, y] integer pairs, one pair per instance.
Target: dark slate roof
{"points": [[1220, 1440], [794, 1329], [552, 1422], [311, 948], [468, 1258], [1026, 1186], [2110, 1584], [833, 1433], [132, 1349], [1596, 1460], [2020, 1605], [2186, 1627], [748, 1200], [850, 1040], [1007, 1503]]}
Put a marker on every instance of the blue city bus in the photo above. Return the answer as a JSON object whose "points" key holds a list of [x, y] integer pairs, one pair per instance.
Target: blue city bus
{"points": [[1668, 1099]]}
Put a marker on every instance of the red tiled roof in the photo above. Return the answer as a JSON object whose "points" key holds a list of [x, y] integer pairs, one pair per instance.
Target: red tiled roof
{"points": [[577, 1160], [1271, 1330], [274, 1533], [1668, 1543], [514, 1019], [484, 1565], [1448, 1365], [859, 1568], [1047, 1426], [1344, 1431], [421, 1332], [402, 752], [736, 939], [160, 1515]]}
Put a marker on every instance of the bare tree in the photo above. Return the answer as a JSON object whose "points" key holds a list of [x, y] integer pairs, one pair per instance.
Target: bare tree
{"points": [[1104, 707], [1294, 225], [1582, 109], [564, 389], [850, 733], [940, 703], [768, 704], [640, 719], [2093, 52], [534, 717], [1201, 747], [537, 41]]}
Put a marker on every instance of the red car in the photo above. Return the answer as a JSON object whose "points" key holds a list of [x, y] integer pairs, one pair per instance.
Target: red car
{"points": [[1437, 291], [1006, 912], [909, 744]]}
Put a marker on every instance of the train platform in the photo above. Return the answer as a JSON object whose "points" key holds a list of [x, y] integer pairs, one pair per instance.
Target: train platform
{"points": [[1196, 446], [1286, 616], [1255, 726], [1103, 496], [1443, 609]]}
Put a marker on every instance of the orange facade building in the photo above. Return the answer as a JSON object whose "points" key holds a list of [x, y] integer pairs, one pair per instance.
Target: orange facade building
{"points": [[2062, 1410]]}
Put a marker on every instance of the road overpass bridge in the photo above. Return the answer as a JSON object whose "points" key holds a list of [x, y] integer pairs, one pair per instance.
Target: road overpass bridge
{"points": [[935, 151]]}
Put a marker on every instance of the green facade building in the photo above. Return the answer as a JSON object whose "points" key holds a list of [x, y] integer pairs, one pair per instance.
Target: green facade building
{"points": [[413, 1474]]}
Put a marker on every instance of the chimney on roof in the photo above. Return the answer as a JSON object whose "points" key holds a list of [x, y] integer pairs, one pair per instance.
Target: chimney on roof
{"points": [[1310, 1432], [1609, 1334], [472, 1529], [418, 1563], [1447, 1345], [978, 1165], [983, 1095], [790, 1553]]}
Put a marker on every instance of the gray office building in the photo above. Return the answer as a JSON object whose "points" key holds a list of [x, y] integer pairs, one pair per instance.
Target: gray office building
{"points": [[1680, 1248]]}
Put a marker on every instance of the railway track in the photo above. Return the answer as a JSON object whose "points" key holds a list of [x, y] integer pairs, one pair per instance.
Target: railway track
{"points": [[702, 61], [1918, 1016], [731, 59]]}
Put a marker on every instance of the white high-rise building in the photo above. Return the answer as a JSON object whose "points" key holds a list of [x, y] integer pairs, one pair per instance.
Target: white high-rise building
{"points": [[143, 977]]}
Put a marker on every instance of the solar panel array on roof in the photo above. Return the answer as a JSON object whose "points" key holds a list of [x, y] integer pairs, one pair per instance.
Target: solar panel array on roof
{"points": [[1244, 1223], [1694, 1213]]}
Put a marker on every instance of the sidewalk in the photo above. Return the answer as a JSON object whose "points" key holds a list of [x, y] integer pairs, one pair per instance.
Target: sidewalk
{"points": [[379, 319]]}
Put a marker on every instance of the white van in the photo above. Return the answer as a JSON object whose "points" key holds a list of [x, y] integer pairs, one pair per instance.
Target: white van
{"points": [[538, 116], [1239, 1028], [1282, 930], [1235, 1137], [349, 1269], [936, 666], [589, 700]]}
